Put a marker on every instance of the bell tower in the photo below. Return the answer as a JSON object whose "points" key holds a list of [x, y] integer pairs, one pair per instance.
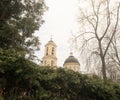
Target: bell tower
{"points": [[50, 58]]}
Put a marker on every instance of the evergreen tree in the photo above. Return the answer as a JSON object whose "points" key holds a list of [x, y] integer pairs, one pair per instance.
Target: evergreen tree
{"points": [[18, 21]]}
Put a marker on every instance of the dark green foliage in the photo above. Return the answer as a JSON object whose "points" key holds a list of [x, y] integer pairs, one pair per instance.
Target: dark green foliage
{"points": [[21, 79], [19, 19]]}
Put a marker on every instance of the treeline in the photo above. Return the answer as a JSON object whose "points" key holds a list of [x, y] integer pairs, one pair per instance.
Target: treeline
{"points": [[21, 79]]}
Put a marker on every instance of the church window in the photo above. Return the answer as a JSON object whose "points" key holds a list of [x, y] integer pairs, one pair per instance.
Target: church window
{"points": [[47, 51], [70, 67], [52, 50], [45, 62], [75, 68], [52, 63]]}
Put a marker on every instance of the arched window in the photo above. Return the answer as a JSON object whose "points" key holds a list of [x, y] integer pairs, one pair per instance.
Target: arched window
{"points": [[47, 51], [52, 50], [45, 62], [75, 68], [52, 63], [69, 67]]}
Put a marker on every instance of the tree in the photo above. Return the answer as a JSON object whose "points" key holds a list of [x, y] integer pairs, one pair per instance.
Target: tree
{"points": [[18, 21], [21, 79], [113, 58], [99, 21], [18, 78]]}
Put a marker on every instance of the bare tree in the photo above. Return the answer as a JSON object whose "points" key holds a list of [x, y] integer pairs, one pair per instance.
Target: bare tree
{"points": [[113, 58], [115, 49], [98, 22]]}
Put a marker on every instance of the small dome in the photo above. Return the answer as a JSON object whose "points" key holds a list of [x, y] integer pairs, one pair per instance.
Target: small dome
{"points": [[71, 59]]}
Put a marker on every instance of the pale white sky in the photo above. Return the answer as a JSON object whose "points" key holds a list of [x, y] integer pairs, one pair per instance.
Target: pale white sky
{"points": [[60, 22]]}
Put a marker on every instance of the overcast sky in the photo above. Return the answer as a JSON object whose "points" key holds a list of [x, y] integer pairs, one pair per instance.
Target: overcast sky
{"points": [[60, 22]]}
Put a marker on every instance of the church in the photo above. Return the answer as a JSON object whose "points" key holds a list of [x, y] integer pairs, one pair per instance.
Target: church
{"points": [[50, 59]]}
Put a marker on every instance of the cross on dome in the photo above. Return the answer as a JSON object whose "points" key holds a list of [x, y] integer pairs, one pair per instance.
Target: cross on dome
{"points": [[71, 53]]}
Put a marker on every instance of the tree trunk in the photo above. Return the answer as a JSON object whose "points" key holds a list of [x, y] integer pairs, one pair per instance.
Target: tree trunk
{"points": [[102, 60], [103, 68]]}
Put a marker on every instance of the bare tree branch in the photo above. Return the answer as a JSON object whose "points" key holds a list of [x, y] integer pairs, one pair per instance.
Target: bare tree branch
{"points": [[115, 28], [83, 34], [108, 21]]}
